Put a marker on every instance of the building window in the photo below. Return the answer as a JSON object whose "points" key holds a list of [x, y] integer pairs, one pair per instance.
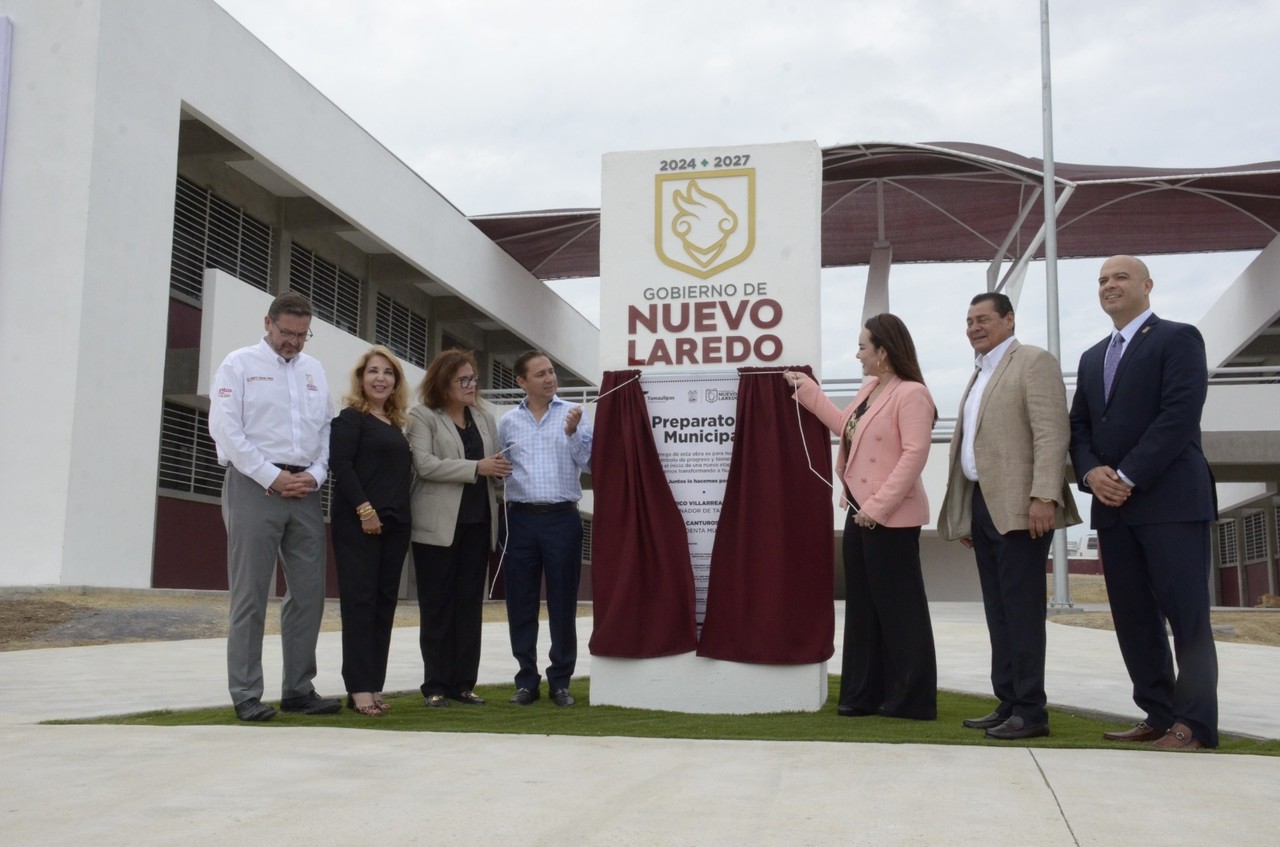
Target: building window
{"points": [[1228, 545], [402, 330], [209, 232], [334, 293], [586, 541], [188, 457], [502, 376], [1255, 537], [326, 496]]}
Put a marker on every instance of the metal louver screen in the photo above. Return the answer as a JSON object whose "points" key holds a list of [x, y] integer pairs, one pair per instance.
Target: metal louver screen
{"points": [[1255, 537], [334, 293], [586, 541], [326, 496], [1228, 548], [502, 377], [188, 457], [209, 232], [402, 330]]}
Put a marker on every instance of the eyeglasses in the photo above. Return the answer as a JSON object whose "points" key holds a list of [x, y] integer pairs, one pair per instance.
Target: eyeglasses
{"points": [[467, 381], [296, 337]]}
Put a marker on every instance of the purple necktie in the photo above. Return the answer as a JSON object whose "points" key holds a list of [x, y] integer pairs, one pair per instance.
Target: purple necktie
{"points": [[1111, 363]]}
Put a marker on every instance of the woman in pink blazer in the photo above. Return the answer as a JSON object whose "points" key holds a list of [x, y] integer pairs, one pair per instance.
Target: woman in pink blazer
{"points": [[889, 665]]}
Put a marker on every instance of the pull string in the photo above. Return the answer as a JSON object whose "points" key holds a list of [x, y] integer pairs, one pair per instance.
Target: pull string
{"points": [[804, 441], [502, 557], [799, 425], [583, 403]]}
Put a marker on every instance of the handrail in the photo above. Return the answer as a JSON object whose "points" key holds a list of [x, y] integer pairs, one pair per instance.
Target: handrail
{"points": [[848, 386]]}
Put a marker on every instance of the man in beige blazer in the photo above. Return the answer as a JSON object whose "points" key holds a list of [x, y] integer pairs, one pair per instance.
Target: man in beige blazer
{"points": [[1006, 493]]}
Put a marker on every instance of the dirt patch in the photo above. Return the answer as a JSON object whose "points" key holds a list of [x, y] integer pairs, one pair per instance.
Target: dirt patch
{"points": [[31, 619], [1251, 626]]}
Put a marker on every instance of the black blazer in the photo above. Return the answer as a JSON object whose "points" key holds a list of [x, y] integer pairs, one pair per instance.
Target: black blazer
{"points": [[1150, 428]]}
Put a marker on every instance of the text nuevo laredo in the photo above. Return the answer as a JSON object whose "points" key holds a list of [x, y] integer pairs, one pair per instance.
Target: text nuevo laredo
{"points": [[705, 316]]}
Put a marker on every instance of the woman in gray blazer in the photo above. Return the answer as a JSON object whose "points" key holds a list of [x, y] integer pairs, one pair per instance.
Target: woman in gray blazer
{"points": [[455, 523]]}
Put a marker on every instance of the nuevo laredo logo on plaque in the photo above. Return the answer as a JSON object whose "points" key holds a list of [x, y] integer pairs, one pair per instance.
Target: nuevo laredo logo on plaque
{"points": [[706, 220]]}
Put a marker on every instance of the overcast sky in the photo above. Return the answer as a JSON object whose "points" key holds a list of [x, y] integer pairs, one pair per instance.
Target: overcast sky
{"points": [[508, 106]]}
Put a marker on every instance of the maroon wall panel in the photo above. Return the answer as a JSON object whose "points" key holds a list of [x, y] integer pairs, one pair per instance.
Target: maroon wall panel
{"points": [[1229, 587], [191, 549]]}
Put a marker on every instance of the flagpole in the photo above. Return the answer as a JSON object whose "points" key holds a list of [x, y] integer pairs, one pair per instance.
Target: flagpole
{"points": [[1061, 587]]}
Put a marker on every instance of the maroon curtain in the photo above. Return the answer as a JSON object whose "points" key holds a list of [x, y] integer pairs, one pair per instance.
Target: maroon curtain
{"points": [[769, 599], [642, 578]]}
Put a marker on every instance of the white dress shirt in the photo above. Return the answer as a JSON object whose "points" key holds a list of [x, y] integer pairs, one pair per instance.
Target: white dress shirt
{"points": [[265, 410], [986, 364], [1129, 330]]}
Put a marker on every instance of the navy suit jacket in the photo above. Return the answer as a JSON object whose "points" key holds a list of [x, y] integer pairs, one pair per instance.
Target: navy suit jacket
{"points": [[1150, 428]]}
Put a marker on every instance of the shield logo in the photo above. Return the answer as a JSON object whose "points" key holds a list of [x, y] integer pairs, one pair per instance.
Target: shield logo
{"points": [[705, 221]]}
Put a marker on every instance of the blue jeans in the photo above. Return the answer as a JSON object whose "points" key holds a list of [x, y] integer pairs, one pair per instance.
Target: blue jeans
{"points": [[538, 545]]}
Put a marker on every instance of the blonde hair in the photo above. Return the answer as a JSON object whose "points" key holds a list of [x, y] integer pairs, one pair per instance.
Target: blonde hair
{"points": [[397, 406]]}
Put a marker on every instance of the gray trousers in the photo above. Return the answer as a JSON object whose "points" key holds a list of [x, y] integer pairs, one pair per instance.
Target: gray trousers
{"points": [[260, 528]]}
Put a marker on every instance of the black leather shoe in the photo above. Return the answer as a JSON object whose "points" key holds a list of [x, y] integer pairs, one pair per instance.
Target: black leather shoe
{"points": [[311, 704], [470, 698], [254, 710], [853, 711], [1016, 729], [563, 698], [435, 701], [987, 721], [524, 696]]}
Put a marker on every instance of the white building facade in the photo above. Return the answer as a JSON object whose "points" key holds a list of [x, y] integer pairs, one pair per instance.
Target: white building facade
{"points": [[133, 163]]}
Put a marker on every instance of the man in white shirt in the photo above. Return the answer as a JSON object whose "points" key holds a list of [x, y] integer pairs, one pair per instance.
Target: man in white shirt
{"points": [[1006, 493], [548, 442], [269, 414]]}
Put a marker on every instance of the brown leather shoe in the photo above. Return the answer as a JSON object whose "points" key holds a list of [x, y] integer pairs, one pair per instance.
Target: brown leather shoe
{"points": [[1141, 731], [1178, 737]]}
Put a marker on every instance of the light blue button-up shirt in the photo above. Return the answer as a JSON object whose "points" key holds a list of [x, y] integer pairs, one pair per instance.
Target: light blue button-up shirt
{"points": [[546, 464]]}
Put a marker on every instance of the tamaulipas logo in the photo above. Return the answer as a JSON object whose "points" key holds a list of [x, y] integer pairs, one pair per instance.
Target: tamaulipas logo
{"points": [[706, 220]]}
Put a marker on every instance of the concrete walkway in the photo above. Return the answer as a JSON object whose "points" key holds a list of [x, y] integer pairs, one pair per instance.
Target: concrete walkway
{"points": [[111, 785]]}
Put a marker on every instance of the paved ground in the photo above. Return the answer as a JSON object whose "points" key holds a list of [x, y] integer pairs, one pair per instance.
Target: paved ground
{"points": [[112, 785]]}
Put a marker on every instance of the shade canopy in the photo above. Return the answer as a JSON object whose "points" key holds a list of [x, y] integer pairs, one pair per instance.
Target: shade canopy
{"points": [[955, 202]]}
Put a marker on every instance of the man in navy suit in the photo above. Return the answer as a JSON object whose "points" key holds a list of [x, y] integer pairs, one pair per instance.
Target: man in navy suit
{"points": [[1135, 446]]}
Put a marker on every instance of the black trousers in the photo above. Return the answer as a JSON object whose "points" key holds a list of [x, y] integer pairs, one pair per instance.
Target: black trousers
{"points": [[451, 604], [369, 568], [543, 546], [889, 665], [1154, 573], [1011, 568]]}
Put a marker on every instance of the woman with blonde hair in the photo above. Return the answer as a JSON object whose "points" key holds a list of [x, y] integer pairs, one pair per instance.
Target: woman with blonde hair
{"points": [[370, 515], [455, 523]]}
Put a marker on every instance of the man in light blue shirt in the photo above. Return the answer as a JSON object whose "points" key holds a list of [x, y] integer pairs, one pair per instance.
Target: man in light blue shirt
{"points": [[548, 443]]}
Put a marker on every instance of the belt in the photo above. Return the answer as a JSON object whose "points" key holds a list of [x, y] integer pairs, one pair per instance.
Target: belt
{"points": [[543, 508], [290, 468]]}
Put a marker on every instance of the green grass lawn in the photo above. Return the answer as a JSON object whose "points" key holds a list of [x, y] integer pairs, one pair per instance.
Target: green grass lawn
{"points": [[1070, 729]]}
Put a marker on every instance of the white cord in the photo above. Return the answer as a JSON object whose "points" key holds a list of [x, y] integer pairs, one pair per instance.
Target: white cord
{"points": [[505, 513]]}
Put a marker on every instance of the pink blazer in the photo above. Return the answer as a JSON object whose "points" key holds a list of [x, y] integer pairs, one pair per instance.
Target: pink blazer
{"points": [[890, 447]]}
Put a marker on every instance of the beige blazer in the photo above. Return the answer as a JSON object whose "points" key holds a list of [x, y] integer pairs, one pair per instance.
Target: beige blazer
{"points": [[441, 469], [1020, 446]]}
